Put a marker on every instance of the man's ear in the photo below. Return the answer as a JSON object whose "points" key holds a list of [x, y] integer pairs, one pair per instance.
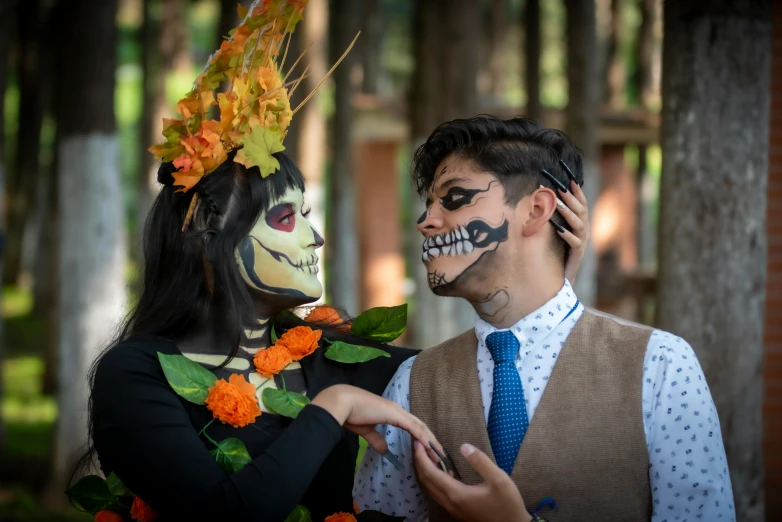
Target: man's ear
{"points": [[542, 205]]}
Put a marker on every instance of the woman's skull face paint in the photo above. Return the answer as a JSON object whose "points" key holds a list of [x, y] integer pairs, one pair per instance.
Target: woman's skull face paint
{"points": [[464, 224], [278, 256]]}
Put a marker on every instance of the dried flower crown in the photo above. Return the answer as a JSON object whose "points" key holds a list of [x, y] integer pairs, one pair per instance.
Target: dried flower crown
{"points": [[255, 110]]}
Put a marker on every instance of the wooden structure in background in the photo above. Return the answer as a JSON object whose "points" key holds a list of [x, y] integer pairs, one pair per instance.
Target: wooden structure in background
{"points": [[772, 364], [377, 142], [380, 132]]}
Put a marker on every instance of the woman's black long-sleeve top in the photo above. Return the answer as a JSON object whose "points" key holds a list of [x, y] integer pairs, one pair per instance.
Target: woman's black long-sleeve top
{"points": [[149, 436]]}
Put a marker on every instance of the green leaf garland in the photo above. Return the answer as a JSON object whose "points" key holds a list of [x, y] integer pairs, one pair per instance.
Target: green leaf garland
{"points": [[187, 378], [353, 353], [299, 514], [231, 455], [116, 486], [284, 402], [382, 324], [92, 493]]}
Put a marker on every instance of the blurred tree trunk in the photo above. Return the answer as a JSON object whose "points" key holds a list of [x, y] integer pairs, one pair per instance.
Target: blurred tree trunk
{"points": [[645, 226], [498, 29], [47, 282], [91, 247], [582, 118], [711, 289], [614, 94], [642, 78], [342, 284], [23, 188], [443, 88], [645, 53], [153, 95], [161, 50], [45, 245], [370, 41], [306, 139], [229, 18], [5, 46], [532, 49]]}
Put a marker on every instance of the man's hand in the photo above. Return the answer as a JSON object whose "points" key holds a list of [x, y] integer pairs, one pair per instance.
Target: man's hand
{"points": [[497, 498]]}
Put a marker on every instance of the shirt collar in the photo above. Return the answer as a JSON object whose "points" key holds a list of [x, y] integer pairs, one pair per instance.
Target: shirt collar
{"points": [[537, 325]]}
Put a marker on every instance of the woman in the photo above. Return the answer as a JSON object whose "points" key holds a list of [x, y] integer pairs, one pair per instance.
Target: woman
{"points": [[211, 294]]}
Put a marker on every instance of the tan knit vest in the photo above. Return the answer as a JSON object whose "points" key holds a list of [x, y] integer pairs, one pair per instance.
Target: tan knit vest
{"points": [[585, 446]]}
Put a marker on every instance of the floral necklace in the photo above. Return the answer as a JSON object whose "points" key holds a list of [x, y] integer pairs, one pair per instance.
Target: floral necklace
{"points": [[234, 402]]}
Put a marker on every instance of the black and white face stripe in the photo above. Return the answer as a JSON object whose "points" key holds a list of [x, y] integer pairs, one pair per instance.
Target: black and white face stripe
{"points": [[463, 240], [454, 243]]}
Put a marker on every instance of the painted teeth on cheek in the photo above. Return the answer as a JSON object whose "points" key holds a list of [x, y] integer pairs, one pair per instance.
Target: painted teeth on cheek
{"points": [[451, 244]]}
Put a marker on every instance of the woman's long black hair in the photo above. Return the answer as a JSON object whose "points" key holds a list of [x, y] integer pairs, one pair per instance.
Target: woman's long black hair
{"points": [[192, 277]]}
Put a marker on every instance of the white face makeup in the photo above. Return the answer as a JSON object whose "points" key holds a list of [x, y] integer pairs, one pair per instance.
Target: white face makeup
{"points": [[278, 256], [465, 223]]}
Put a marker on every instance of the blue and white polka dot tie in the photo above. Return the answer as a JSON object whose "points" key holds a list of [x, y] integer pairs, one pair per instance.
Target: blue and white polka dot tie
{"points": [[508, 413]]}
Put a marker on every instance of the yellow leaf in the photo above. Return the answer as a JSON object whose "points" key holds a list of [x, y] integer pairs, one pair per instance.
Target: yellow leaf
{"points": [[227, 113], [257, 149], [167, 151], [188, 106]]}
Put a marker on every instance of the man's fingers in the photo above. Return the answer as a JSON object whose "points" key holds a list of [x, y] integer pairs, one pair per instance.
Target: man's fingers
{"points": [[482, 463], [375, 441]]}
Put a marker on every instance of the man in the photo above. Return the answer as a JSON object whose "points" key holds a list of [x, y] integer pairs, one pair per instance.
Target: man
{"points": [[611, 419]]}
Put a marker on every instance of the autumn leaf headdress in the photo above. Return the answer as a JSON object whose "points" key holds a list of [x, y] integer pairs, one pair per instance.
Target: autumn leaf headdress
{"points": [[255, 110]]}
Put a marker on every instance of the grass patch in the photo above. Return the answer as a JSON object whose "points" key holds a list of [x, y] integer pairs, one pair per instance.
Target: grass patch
{"points": [[24, 336], [17, 302], [28, 440], [18, 505], [28, 415]]}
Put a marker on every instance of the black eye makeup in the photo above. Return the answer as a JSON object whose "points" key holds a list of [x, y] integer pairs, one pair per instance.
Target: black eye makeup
{"points": [[305, 213], [457, 197]]}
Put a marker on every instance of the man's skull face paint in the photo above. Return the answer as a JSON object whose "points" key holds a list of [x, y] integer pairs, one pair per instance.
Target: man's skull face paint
{"points": [[278, 256], [464, 223]]}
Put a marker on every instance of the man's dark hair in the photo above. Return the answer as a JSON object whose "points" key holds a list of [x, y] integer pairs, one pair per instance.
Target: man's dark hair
{"points": [[515, 151]]}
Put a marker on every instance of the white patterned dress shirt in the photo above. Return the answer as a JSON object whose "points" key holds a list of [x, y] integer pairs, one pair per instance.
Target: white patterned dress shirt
{"points": [[688, 471]]}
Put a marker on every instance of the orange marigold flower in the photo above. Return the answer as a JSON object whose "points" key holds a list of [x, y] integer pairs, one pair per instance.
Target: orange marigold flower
{"points": [[327, 315], [272, 360], [340, 517], [233, 402], [355, 508], [107, 516], [141, 511], [300, 341]]}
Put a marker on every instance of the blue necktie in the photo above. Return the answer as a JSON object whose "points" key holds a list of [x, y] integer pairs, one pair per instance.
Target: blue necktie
{"points": [[508, 413]]}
